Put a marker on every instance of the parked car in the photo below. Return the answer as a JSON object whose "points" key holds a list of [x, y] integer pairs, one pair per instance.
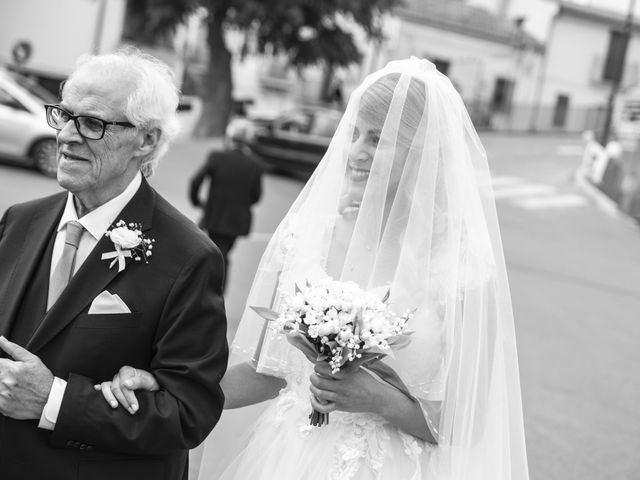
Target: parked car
{"points": [[189, 111], [25, 136], [295, 140]]}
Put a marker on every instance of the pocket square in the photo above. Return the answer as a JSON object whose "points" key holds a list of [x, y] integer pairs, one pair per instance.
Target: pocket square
{"points": [[107, 303]]}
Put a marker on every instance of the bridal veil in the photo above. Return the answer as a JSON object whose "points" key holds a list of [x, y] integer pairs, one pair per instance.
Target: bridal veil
{"points": [[426, 230]]}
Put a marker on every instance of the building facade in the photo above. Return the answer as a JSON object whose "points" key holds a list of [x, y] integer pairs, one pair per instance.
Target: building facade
{"points": [[492, 61], [572, 90], [45, 38]]}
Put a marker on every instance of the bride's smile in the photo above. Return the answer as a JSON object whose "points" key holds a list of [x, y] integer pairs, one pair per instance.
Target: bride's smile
{"points": [[364, 143], [358, 174]]}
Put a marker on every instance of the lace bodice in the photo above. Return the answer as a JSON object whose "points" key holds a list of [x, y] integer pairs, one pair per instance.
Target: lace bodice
{"points": [[360, 440]]}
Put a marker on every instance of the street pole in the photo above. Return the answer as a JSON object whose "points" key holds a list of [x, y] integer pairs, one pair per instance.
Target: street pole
{"points": [[97, 35], [617, 79]]}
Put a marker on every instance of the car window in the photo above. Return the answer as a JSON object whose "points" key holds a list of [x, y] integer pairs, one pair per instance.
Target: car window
{"points": [[8, 100], [34, 88], [298, 122], [325, 124]]}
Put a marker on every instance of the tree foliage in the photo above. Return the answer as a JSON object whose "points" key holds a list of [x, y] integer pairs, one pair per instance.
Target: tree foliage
{"points": [[309, 32]]}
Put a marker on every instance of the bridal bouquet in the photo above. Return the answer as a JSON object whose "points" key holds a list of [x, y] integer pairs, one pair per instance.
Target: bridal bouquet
{"points": [[340, 323]]}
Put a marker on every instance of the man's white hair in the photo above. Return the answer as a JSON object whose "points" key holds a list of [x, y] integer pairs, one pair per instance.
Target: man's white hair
{"points": [[153, 101]]}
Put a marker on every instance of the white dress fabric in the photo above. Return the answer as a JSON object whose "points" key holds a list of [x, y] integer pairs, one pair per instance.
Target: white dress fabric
{"points": [[401, 202], [353, 446]]}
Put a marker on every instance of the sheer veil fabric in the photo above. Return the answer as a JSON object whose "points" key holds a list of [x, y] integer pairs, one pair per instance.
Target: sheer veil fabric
{"points": [[412, 213]]}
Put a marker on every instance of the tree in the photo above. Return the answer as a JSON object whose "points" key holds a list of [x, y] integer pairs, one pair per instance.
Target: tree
{"points": [[309, 32]]}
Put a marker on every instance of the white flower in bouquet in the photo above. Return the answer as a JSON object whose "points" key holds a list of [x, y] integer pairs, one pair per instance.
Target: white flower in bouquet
{"points": [[338, 322]]}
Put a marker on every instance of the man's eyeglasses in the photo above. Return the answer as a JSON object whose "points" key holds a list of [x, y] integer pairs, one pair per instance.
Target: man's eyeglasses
{"points": [[91, 128]]}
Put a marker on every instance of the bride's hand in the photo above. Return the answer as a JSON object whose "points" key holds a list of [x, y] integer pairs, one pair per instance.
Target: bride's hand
{"points": [[349, 390], [121, 388]]}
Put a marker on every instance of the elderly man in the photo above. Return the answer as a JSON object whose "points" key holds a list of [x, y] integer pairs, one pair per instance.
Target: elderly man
{"points": [[105, 275]]}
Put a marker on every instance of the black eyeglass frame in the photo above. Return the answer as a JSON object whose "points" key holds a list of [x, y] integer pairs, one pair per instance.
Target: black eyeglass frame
{"points": [[48, 107]]}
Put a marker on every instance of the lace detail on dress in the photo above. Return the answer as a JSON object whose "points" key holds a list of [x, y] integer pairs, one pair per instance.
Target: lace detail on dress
{"points": [[363, 440]]}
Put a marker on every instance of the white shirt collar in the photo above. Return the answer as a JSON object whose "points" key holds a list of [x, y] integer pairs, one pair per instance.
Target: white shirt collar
{"points": [[98, 221]]}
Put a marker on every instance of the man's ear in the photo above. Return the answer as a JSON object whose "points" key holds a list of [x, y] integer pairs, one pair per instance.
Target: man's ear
{"points": [[149, 141]]}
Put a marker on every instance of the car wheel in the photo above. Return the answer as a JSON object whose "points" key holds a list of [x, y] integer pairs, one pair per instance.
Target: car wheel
{"points": [[43, 155]]}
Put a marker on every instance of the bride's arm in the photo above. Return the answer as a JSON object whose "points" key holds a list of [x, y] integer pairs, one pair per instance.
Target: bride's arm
{"points": [[243, 386], [358, 391]]}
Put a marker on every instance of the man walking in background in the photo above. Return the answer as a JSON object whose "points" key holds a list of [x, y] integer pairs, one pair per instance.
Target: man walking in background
{"points": [[235, 184]]}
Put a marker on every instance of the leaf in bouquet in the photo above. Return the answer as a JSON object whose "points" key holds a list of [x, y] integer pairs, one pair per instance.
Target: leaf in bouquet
{"points": [[399, 341], [303, 344], [332, 344], [321, 357], [358, 321], [365, 359], [377, 351], [356, 328], [386, 296], [389, 375], [266, 313], [344, 355]]}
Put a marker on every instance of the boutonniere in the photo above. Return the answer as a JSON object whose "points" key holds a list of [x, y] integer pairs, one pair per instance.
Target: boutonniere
{"points": [[130, 243]]}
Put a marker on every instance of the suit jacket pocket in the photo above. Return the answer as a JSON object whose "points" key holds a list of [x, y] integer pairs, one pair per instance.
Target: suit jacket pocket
{"points": [[108, 320]]}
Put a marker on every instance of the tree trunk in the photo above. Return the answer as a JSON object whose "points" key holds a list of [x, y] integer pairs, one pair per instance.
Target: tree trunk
{"points": [[327, 80], [217, 85]]}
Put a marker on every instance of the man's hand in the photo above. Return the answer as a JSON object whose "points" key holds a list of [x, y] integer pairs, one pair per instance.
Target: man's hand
{"points": [[25, 383]]}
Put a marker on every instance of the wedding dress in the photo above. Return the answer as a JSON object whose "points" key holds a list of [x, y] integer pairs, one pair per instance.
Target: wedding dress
{"points": [[353, 446], [401, 202]]}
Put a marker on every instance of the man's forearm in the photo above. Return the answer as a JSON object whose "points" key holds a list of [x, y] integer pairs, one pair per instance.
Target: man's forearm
{"points": [[162, 424]]}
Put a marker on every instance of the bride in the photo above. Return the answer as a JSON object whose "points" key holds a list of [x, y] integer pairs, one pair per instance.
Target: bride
{"points": [[401, 201]]}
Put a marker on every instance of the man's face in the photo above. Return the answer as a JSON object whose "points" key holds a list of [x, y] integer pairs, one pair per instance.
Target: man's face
{"points": [[97, 170]]}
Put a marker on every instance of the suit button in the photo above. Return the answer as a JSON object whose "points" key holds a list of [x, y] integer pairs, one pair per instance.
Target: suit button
{"points": [[69, 444], [89, 448], [83, 446]]}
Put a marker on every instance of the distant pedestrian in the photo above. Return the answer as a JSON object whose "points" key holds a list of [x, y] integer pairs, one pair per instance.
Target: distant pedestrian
{"points": [[335, 96], [235, 184]]}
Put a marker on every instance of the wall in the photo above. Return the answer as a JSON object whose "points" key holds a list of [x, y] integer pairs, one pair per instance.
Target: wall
{"points": [[576, 52], [475, 64], [58, 30]]}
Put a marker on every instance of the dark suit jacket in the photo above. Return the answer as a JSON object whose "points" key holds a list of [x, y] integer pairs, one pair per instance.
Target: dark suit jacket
{"points": [[177, 330], [235, 185]]}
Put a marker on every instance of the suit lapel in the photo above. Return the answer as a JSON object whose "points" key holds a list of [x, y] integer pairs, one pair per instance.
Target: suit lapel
{"points": [[94, 275], [41, 227]]}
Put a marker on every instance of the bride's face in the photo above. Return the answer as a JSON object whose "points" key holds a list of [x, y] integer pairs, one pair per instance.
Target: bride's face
{"points": [[364, 143]]}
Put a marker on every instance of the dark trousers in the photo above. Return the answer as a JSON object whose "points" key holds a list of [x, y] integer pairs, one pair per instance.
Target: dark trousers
{"points": [[225, 244]]}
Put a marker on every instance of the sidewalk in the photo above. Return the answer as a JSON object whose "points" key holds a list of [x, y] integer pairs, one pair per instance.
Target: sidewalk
{"points": [[612, 181], [602, 200]]}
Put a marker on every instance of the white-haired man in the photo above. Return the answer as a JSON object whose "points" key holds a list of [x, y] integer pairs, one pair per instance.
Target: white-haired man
{"points": [[104, 275]]}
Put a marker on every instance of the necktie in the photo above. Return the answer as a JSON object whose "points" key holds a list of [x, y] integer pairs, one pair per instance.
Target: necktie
{"points": [[63, 271]]}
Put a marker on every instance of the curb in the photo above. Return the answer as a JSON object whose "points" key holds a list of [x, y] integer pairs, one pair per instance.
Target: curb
{"points": [[598, 196], [602, 201]]}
